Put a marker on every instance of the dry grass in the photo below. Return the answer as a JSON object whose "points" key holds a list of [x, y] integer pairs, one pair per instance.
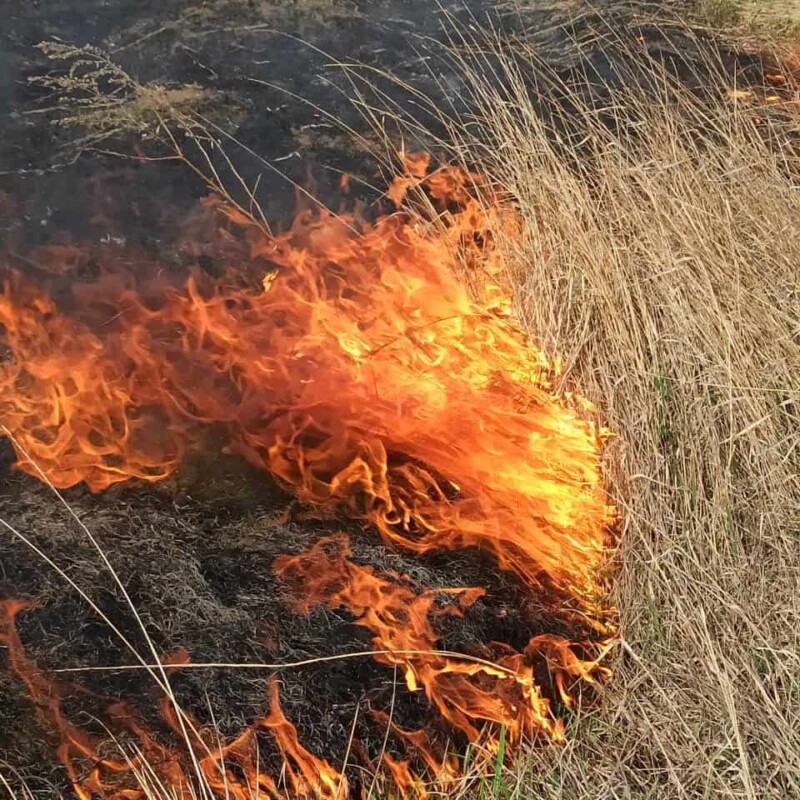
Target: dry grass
{"points": [[660, 260], [767, 16]]}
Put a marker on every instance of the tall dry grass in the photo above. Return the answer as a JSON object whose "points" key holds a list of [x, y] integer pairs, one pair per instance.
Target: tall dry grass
{"points": [[660, 258], [768, 17]]}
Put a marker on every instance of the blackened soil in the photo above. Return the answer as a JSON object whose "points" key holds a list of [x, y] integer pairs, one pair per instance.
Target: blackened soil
{"points": [[270, 75]]}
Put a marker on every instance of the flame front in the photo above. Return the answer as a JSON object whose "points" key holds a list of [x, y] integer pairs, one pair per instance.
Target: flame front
{"points": [[362, 374]]}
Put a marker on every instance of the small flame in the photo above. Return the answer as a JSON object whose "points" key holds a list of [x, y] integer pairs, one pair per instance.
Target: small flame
{"points": [[222, 766]]}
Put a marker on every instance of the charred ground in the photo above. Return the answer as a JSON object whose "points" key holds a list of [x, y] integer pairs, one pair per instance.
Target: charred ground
{"points": [[196, 556]]}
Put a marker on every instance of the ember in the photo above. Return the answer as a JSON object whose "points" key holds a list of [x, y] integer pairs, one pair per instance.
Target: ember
{"points": [[358, 370]]}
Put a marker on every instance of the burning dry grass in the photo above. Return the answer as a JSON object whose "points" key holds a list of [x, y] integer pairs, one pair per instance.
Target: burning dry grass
{"points": [[660, 259], [356, 370]]}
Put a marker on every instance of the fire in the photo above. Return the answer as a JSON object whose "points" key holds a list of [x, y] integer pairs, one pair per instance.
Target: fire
{"points": [[465, 693], [374, 370], [94, 775]]}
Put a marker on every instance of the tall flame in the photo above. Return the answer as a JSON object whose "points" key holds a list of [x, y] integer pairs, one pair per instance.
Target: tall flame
{"points": [[363, 375]]}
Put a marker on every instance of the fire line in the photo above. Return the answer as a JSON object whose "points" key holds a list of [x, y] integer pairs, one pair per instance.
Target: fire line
{"points": [[374, 370]]}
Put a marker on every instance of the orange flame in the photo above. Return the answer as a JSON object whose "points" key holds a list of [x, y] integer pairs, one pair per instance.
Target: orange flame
{"points": [[466, 693], [94, 775], [363, 375]]}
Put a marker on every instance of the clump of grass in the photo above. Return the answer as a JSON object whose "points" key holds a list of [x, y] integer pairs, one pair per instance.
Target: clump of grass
{"points": [[658, 257], [93, 93], [748, 17], [107, 108]]}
